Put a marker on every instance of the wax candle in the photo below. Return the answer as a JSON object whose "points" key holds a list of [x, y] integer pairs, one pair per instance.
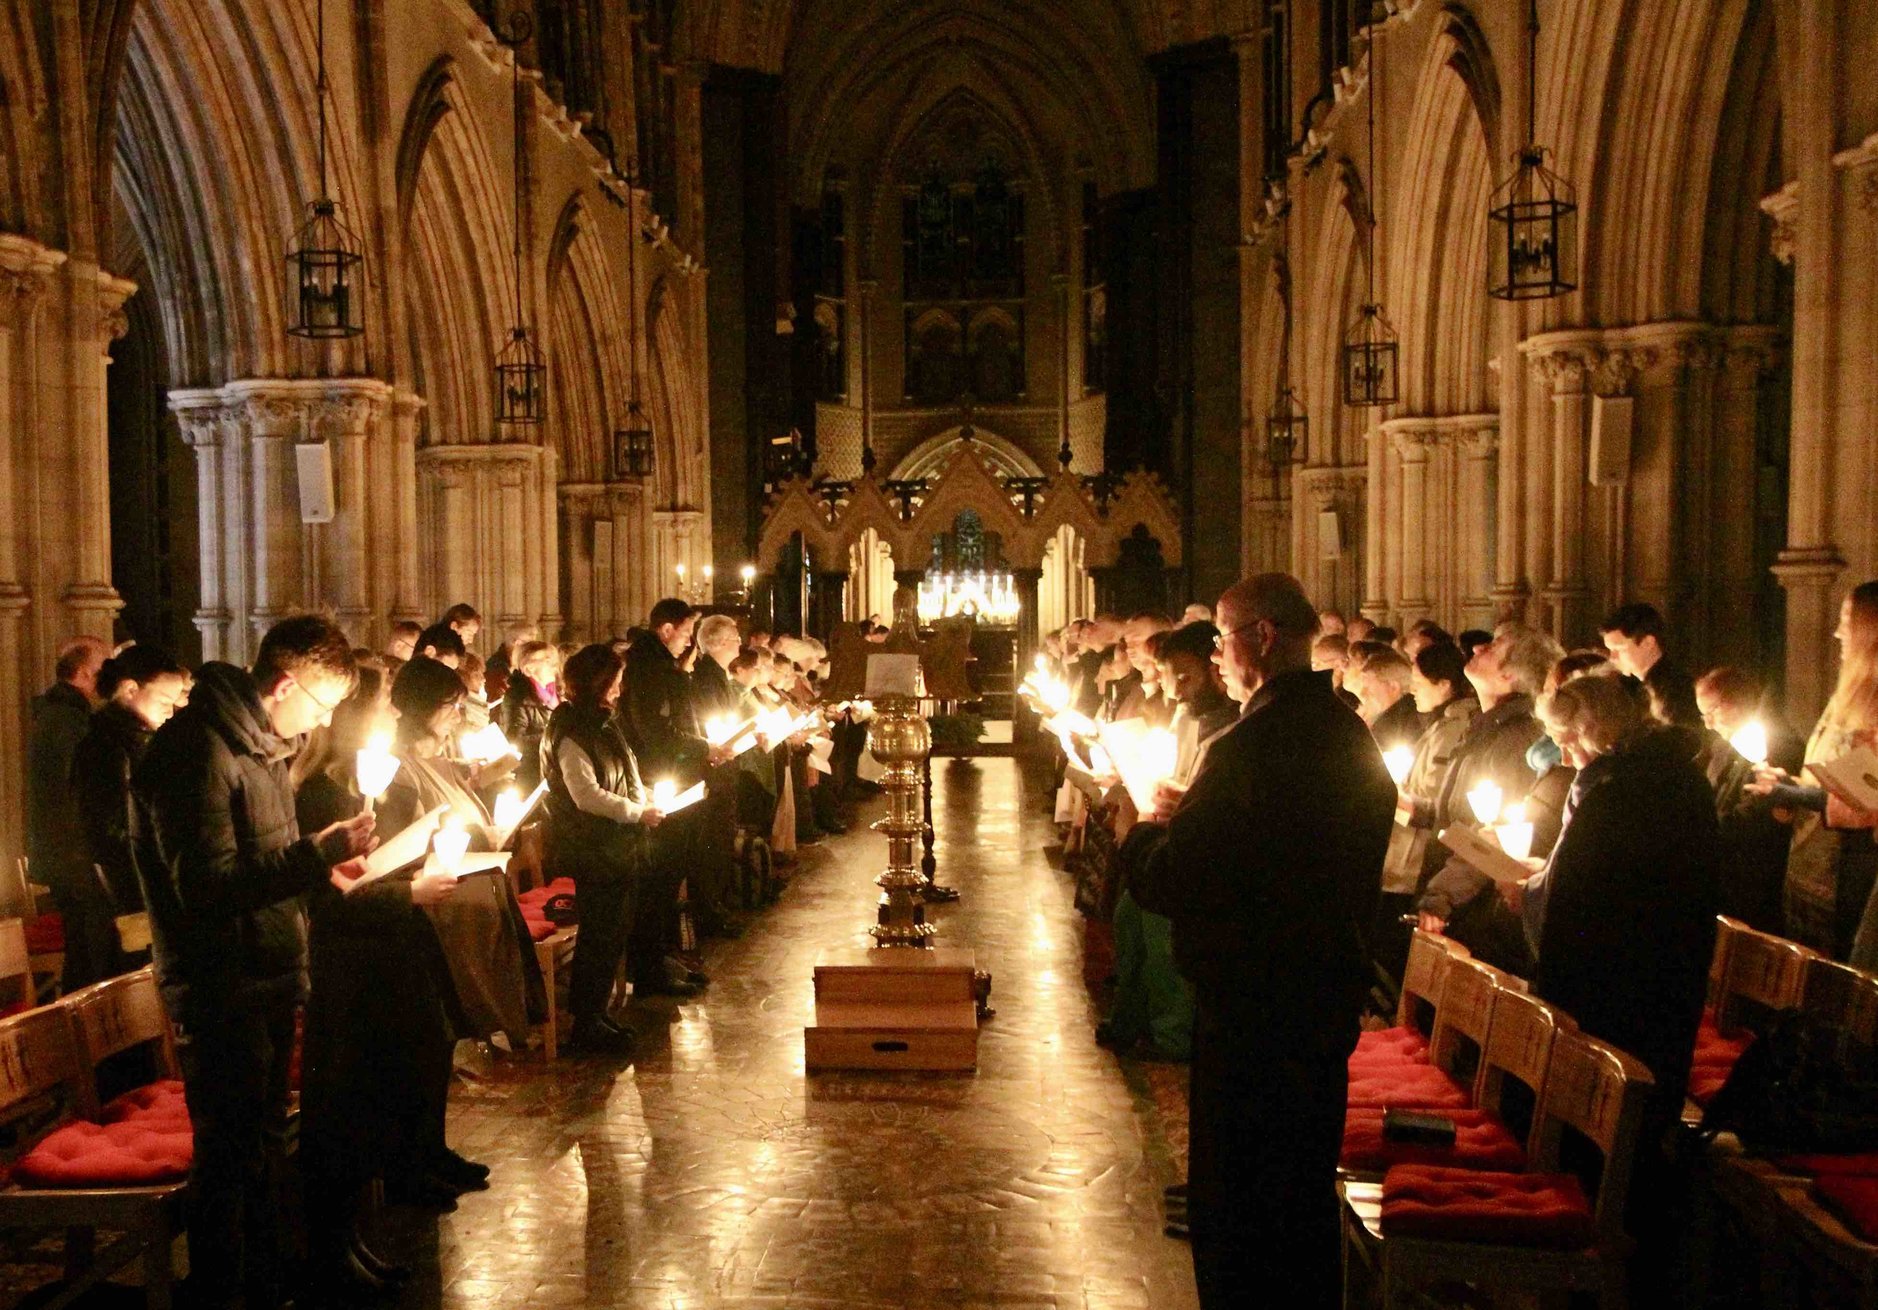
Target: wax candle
{"points": [[1486, 799], [1751, 742], [451, 842], [1399, 760], [376, 767]]}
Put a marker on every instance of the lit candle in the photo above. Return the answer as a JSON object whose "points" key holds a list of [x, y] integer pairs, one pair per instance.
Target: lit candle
{"points": [[1516, 833], [664, 792], [1750, 742], [508, 808], [1399, 760], [749, 574], [710, 571], [376, 767], [1486, 799], [451, 841], [486, 744]]}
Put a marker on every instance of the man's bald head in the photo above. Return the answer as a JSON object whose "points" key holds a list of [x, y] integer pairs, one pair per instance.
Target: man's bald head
{"points": [[1266, 625], [79, 660]]}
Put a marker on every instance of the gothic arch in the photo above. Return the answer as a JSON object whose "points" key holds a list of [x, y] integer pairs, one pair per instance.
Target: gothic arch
{"points": [[1331, 303], [459, 276], [214, 154], [585, 346], [680, 436], [930, 458]]}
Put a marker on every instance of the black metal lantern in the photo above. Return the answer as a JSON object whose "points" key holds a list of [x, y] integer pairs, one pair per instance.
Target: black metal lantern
{"points": [[1369, 361], [323, 277], [325, 299], [1287, 431], [1534, 234], [521, 381], [632, 446], [521, 371], [1532, 224]]}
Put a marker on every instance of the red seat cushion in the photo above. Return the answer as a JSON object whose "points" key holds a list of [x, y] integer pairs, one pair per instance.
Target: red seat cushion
{"points": [[1862, 1164], [540, 928], [129, 1153], [159, 1105], [1410, 1086], [1854, 1199], [45, 935], [1715, 1056], [1501, 1209], [1389, 1046], [17, 1007], [1481, 1141]]}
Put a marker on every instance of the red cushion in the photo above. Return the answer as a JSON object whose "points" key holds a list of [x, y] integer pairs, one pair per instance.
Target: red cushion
{"points": [[1853, 1199], [1481, 1141], [45, 935], [1715, 1056], [1502, 1209], [159, 1105], [1411, 1086], [126, 1154], [18, 1007], [1389, 1046], [1862, 1164]]}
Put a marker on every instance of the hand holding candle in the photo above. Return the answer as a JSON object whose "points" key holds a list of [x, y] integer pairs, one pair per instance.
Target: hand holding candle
{"points": [[1515, 833], [1750, 742], [375, 768], [1486, 798], [1399, 760], [487, 745], [451, 842], [509, 809]]}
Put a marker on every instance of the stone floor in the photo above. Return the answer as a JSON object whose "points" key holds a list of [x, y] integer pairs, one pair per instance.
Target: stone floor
{"points": [[713, 1171]]}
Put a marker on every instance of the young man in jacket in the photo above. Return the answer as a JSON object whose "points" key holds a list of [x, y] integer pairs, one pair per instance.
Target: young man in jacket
{"points": [[224, 870], [1270, 866], [55, 836]]}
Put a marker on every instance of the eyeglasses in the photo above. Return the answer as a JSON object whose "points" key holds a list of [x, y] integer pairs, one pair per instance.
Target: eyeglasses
{"points": [[325, 706], [1219, 638]]}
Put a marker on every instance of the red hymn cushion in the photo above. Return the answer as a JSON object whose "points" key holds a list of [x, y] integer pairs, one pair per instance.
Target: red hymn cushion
{"points": [[1854, 1199], [159, 1105], [129, 1153], [1389, 1046], [1480, 1142], [1715, 1056], [1499, 1209], [539, 926], [1410, 1086]]}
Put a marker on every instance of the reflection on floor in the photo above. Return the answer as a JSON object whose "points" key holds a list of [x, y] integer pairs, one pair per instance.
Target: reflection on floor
{"points": [[713, 1172]]}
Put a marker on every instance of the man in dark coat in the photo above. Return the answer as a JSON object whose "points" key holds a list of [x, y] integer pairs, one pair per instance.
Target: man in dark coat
{"points": [[224, 871], [1635, 637], [57, 856], [1270, 866]]}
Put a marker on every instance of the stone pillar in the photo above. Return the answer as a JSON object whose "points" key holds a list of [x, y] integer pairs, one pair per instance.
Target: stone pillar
{"points": [[829, 590], [1735, 491], [1375, 553], [1415, 445], [409, 594], [1563, 360], [1475, 538], [199, 415], [273, 501], [350, 417]]}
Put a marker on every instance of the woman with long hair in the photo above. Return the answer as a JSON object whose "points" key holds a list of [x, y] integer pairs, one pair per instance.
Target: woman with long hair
{"points": [[532, 693], [141, 687], [376, 1027], [1832, 866]]}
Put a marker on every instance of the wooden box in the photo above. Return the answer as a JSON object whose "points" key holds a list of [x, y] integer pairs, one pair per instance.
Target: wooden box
{"points": [[894, 1009]]}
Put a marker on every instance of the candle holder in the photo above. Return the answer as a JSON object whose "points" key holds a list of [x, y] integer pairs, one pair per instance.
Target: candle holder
{"points": [[901, 741]]}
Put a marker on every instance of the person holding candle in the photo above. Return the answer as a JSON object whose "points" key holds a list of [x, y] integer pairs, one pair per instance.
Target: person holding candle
{"points": [[376, 1056], [495, 984], [1624, 910], [224, 870], [1379, 677], [1634, 635], [600, 821], [531, 696], [1754, 836]]}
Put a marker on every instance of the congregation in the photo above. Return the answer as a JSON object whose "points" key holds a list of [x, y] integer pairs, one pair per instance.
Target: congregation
{"points": [[249, 816], [1577, 825]]}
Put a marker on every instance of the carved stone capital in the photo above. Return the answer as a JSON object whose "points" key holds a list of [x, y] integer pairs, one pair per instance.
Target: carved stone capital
{"points": [[1783, 206], [1615, 372], [1566, 370]]}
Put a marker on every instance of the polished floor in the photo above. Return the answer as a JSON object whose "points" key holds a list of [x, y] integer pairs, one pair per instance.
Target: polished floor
{"points": [[712, 1171]]}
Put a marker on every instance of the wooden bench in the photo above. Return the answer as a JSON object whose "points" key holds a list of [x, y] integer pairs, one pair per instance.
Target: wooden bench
{"points": [[16, 969], [554, 954], [43, 1055], [47, 964]]}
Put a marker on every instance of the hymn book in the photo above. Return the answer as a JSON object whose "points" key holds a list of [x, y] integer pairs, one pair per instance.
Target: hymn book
{"points": [[1479, 851], [1853, 778], [401, 851]]}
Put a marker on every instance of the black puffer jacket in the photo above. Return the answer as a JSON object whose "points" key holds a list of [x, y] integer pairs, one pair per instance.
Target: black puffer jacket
{"points": [[523, 718], [220, 856], [101, 771]]}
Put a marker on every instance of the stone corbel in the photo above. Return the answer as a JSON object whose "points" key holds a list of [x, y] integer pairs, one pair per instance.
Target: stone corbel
{"points": [[113, 293], [1783, 206], [26, 269], [1861, 162]]}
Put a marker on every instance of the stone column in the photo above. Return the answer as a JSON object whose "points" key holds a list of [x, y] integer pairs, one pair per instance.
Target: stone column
{"points": [[1474, 537], [410, 598], [199, 415], [273, 423], [577, 550], [1563, 360], [1750, 354], [91, 602], [350, 416], [1414, 443], [1375, 553]]}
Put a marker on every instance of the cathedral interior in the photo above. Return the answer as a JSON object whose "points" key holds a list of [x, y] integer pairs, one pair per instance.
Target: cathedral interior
{"points": [[1457, 310]]}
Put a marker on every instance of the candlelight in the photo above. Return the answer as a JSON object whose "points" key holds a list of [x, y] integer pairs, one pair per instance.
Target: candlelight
{"points": [[1515, 838], [1399, 760], [508, 809], [1750, 742], [1486, 799], [710, 571], [486, 744], [664, 792], [679, 569], [451, 842], [376, 766]]}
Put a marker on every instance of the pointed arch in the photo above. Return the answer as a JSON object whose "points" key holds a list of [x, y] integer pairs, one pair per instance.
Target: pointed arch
{"points": [[1332, 299], [681, 442], [585, 340]]}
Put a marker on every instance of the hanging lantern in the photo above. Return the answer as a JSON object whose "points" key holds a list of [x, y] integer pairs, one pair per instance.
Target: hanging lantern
{"points": [[1533, 234], [632, 446], [1369, 361], [325, 299], [1287, 429], [323, 277], [521, 381]]}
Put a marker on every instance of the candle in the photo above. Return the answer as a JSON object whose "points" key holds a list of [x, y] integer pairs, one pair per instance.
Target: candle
{"points": [[486, 744], [451, 842], [1515, 833], [508, 808], [749, 574], [1486, 799], [664, 792], [376, 766], [1750, 741], [1399, 760]]}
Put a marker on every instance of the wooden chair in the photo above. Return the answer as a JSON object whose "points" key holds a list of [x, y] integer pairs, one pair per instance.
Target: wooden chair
{"points": [[40, 1057], [1843, 997], [1518, 1049], [1423, 977], [27, 894], [16, 969], [1593, 1089], [115, 1015], [1761, 975], [554, 954], [1465, 1018]]}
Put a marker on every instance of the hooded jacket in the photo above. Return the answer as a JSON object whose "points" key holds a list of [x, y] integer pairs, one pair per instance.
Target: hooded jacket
{"points": [[220, 856], [101, 771]]}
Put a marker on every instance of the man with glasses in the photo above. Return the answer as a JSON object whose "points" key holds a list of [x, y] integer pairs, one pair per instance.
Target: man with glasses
{"points": [[224, 870], [1270, 865]]}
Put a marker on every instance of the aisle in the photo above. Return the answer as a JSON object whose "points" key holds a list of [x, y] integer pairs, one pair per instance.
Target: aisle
{"points": [[714, 1173]]}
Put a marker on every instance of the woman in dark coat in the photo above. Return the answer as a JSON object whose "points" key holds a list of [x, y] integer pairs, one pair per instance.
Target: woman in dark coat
{"points": [[530, 698], [141, 689], [376, 1029], [600, 817]]}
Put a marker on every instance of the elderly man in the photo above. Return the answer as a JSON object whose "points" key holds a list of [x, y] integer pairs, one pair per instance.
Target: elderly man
{"points": [[1269, 867], [55, 838]]}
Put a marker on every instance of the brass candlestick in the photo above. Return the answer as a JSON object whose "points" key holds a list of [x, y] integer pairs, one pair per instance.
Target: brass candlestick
{"points": [[901, 740]]}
